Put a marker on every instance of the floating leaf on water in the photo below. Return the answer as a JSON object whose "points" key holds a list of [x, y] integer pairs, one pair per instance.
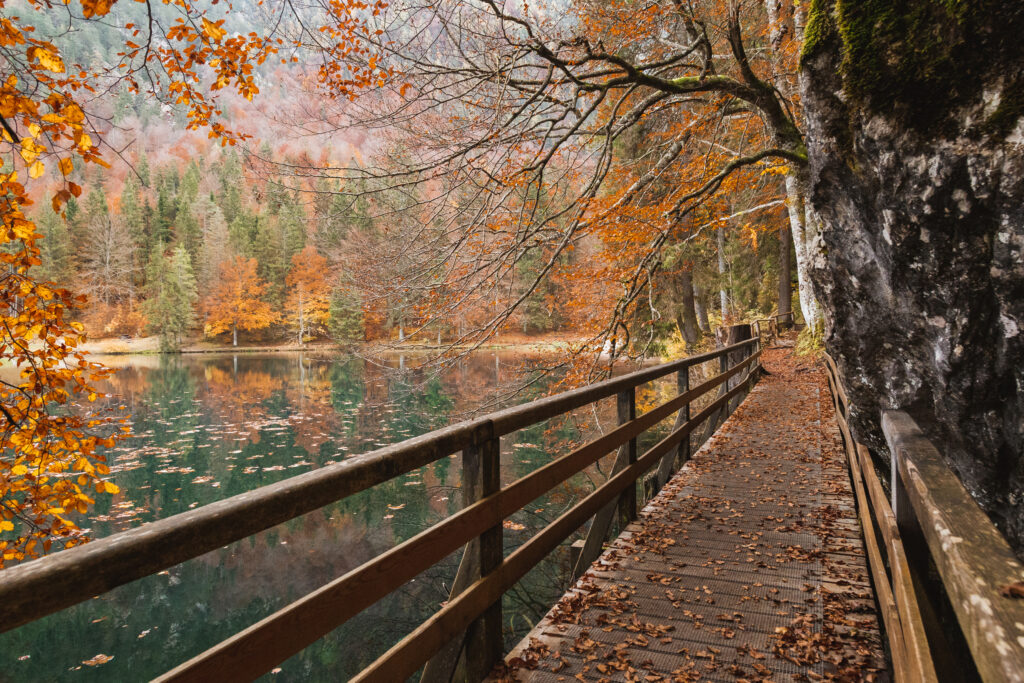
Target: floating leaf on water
{"points": [[97, 660]]}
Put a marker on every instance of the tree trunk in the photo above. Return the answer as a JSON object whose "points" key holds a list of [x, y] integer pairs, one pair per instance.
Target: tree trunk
{"points": [[234, 335], [686, 315], [785, 273], [721, 273], [701, 308], [804, 241]]}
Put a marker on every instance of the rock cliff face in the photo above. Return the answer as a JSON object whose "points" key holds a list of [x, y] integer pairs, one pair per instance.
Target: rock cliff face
{"points": [[915, 132]]}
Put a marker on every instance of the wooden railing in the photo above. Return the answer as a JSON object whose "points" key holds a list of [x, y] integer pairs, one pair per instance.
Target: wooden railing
{"points": [[470, 622], [929, 524]]}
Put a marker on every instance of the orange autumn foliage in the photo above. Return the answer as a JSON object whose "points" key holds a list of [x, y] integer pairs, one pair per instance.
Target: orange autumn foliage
{"points": [[235, 303], [50, 432], [309, 292]]}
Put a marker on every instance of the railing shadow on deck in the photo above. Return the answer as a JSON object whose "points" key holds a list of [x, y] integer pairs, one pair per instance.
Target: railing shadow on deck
{"points": [[933, 551], [466, 632]]}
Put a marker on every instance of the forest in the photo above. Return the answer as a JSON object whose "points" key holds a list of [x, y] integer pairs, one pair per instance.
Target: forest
{"points": [[279, 241], [285, 258]]}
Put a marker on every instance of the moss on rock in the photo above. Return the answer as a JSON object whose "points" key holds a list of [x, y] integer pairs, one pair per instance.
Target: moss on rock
{"points": [[920, 60], [819, 29]]}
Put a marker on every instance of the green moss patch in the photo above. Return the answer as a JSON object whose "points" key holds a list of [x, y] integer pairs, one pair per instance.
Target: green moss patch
{"points": [[919, 60]]}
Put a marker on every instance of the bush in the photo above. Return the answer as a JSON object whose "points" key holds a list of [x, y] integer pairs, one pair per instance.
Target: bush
{"points": [[811, 341]]}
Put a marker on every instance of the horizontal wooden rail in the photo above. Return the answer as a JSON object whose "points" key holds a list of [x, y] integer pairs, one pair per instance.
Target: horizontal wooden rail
{"points": [[274, 639], [890, 572], [34, 589], [973, 559]]}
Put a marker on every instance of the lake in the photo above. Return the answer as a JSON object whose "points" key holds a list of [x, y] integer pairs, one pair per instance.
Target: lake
{"points": [[209, 426]]}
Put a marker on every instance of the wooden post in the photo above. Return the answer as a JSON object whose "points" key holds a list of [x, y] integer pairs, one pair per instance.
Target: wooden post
{"points": [[681, 453], [723, 366], [682, 386], [625, 503], [484, 642], [733, 334], [626, 405]]}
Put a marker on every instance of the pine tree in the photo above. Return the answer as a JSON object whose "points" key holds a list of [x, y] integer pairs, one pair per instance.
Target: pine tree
{"points": [[142, 168], [345, 319], [243, 233], [187, 232], [171, 295], [231, 186], [278, 239], [133, 213], [165, 211], [215, 240], [55, 247]]}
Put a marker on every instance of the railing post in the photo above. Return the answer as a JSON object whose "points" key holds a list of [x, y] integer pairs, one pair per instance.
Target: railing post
{"points": [[723, 367], [626, 407], [681, 453], [682, 386], [484, 642]]}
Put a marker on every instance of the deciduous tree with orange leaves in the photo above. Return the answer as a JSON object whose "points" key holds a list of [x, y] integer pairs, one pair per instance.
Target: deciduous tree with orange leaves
{"points": [[235, 302], [50, 436], [596, 143], [308, 302]]}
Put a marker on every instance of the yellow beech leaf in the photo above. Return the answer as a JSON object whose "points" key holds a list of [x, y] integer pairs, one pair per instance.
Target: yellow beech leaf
{"points": [[111, 488], [213, 30], [50, 61], [6, 526], [19, 470], [23, 230], [67, 166], [36, 169], [85, 142], [34, 129]]}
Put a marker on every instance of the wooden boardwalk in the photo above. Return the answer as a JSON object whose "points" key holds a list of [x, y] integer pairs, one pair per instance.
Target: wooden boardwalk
{"points": [[747, 566]]}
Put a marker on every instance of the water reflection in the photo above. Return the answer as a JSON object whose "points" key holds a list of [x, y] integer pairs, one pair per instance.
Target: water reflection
{"points": [[208, 427]]}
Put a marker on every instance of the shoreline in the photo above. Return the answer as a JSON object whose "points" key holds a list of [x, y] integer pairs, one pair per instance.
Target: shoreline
{"points": [[149, 346]]}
